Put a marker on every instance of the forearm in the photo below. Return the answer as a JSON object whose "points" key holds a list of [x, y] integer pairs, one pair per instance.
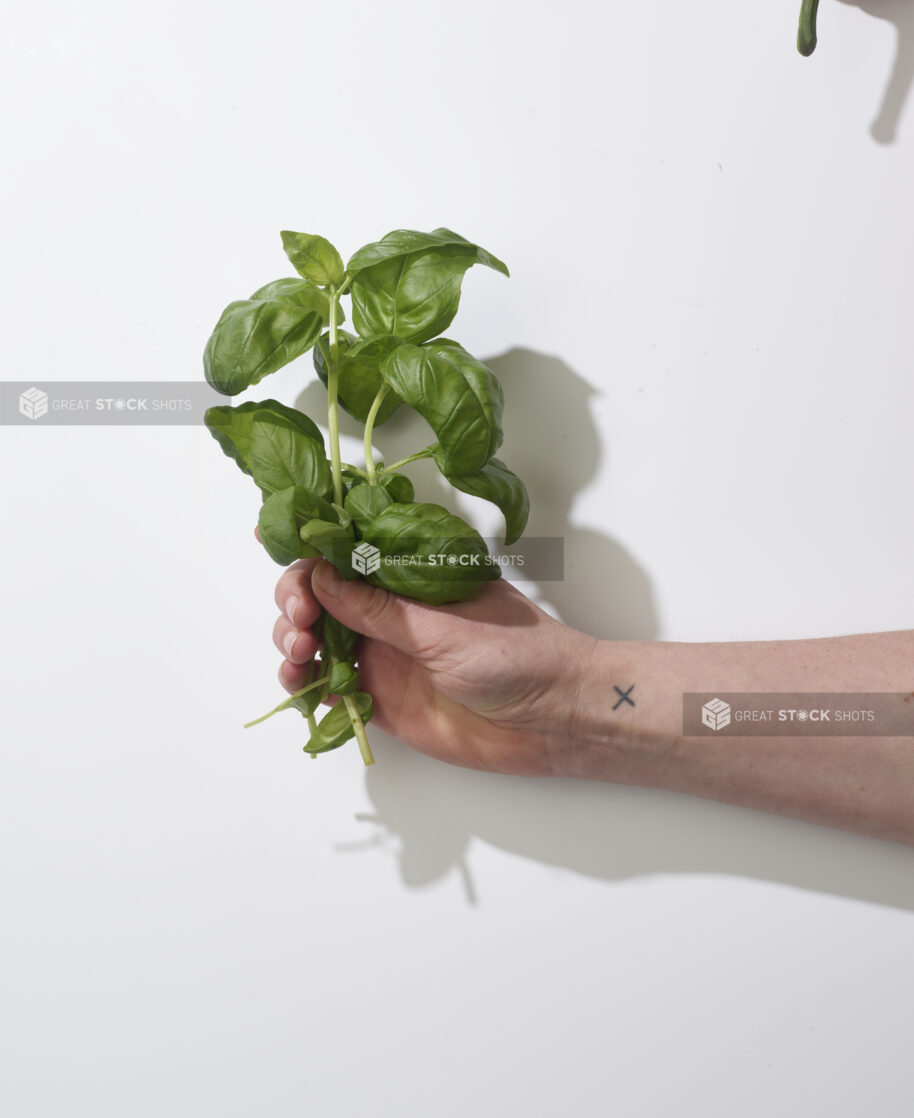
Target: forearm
{"points": [[863, 784]]}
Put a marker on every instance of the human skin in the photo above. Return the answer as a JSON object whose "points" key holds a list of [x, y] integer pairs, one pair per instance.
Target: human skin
{"points": [[497, 684]]}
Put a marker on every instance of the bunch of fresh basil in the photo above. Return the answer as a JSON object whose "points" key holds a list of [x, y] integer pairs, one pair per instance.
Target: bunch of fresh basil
{"points": [[404, 290]]}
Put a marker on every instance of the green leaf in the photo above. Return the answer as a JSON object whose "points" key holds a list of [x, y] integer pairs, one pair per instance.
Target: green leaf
{"points": [[344, 679], [313, 257], [414, 297], [231, 426], [282, 516], [255, 337], [299, 293], [459, 398], [360, 373], [408, 283], [335, 728], [338, 639], [402, 242], [364, 502], [429, 554], [331, 540], [310, 701], [399, 487], [496, 483], [282, 455]]}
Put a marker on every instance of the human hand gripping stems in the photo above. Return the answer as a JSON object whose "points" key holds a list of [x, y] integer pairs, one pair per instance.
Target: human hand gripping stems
{"points": [[405, 291]]}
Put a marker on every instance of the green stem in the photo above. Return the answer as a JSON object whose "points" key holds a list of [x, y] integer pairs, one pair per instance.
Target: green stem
{"points": [[359, 726], [369, 427], [286, 703], [333, 417], [312, 721], [427, 453], [333, 429], [806, 35], [354, 469]]}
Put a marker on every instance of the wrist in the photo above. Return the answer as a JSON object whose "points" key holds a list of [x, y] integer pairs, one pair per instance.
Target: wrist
{"points": [[623, 716]]}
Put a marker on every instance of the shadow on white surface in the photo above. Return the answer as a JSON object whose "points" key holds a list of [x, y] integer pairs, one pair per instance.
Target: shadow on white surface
{"points": [[427, 814], [900, 13]]}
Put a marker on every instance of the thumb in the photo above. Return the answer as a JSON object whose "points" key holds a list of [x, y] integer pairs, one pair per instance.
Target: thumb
{"points": [[410, 626]]}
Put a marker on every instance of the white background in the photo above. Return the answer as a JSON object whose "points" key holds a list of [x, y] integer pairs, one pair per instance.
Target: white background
{"points": [[705, 346]]}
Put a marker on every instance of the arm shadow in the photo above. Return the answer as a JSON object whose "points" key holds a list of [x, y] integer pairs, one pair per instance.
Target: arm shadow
{"points": [[900, 13]]}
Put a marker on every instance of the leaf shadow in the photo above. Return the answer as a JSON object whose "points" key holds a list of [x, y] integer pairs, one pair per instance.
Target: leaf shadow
{"points": [[427, 815], [900, 13]]}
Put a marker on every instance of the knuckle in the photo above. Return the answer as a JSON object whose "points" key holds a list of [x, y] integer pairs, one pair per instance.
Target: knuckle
{"points": [[280, 628], [379, 607]]}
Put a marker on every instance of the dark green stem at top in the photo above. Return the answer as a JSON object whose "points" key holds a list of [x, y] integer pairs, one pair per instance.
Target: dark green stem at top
{"points": [[806, 35]]}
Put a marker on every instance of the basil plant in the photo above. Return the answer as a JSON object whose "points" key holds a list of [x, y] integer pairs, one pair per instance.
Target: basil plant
{"points": [[404, 291]]}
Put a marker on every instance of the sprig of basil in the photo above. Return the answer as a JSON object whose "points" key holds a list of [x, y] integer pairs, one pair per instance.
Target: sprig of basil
{"points": [[405, 291]]}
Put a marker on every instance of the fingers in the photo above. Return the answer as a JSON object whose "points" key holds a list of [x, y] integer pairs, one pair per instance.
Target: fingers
{"points": [[294, 596], [292, 676], [291, 632], [297, 645]]}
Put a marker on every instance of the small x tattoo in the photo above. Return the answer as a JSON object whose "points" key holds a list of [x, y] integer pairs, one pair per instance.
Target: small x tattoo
{"points": [[624, 696]]}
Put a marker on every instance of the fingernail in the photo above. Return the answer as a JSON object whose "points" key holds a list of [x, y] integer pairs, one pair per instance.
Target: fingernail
{"points": [[288, 642], [330, 579], [291, 607]]}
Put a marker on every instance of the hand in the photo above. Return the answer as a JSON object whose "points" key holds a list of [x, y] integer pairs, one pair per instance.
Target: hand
{"points": [[488, 684]]}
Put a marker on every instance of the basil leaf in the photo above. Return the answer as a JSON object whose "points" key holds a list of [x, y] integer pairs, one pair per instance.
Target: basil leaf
{"points": [[331, 540], [338, 640], [399, 487], [414, 297], [313, 257], [459, 398], [360, 373], [282, 455], [299, 293], [231, 426], [344, 679], [408, 283], [282, 516], [335, 728], [429, 554], [402, 242], [496, 483], [364, 502], [255, 337]]}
